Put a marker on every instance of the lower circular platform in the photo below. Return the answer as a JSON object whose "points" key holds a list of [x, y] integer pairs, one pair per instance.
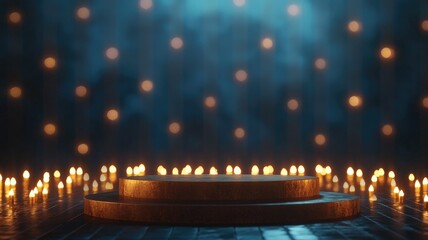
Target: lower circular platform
{"points": [[220, 188], [330, 206]]}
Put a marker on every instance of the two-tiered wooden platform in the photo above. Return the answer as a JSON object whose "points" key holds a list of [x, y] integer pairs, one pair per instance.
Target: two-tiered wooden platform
{"points": [[221, 200]]}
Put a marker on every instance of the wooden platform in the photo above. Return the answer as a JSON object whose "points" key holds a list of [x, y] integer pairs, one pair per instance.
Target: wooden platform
{"points": [[221, 200]]}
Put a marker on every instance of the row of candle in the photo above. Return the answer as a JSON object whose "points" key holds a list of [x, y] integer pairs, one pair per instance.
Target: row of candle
{"points": [[255, 170]]}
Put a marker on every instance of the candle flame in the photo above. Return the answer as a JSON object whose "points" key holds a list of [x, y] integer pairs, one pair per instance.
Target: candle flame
{"points": [[425, 181], [86, 187], [255, 170], [359, 173], [293, 170], [301, 170], [350, 171], [266, 170], [104, 169], [229, 169], [284, 172], [318, 169], [36, 190], [72, 171], [45, 191], [39, 184], [79, 171], [393, 183], [411, 177], [26, 174], [57, 174], [199, 170], [175, 171], [237, 170], [142, 168], [161, 170], [31, 195], [371, 188], [68, 180], [13, 182], [95, 184], [327, 170], [1, 178], [113, 169], [401, 193], [335, 179], [136, 171], [103, 178], [374, 178], [381, 172], [352, 189], [426, 198], [417, 184], [396, 190], [213, 171], [345, 185], [373, 198], [7, 182], [362, 182], [60, 185], [391, 174], [129, 171], [11, 193], [186, 170], [46, 175], [86, 177]]}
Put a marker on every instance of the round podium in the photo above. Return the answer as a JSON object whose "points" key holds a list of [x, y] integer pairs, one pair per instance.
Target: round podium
{"points": [[221, 200]]}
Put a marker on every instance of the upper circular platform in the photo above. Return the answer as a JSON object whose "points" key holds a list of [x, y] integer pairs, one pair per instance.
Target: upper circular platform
{"points": [[220, 188]]}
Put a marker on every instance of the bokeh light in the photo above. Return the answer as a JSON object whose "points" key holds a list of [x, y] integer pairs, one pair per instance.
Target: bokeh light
{"points": [[176, 43], [387, 129], [83, 148], [239, 133], [293, 10], [174, 128], [239, 3], [15, 92], [425, 102], [354, 26], [267, 43], [320, 139], [241, 75], [424, 25], [387, 53], [320, 63], [49, 129], [112, 114], [15, 17], [146, 4], [112, 53], [210, 102], [293, 104], [49, 62], [355, 101], [146, 85], [83, 13], [81, 91]]}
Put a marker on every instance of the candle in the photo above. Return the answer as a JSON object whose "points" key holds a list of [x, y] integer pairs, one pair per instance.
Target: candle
{"points": [[213, 171], [13, 182], [1, 178], [11, 195], [237, 170], [371, 190], [359, 173], [318, 169], [229, 170], [161, 170], [417, 184], [68, 180], [103, 178], [254, 170], [57, 174], [393, 184], [381, 172], [175, 171], [31, 196], [26, 174], [352, 189], [136, 171], [95, 186], [104, 169], [199, 170], [411, 177], [142, 168], [128, 171], [39, 184], [284, 172], [36, 191], [85, 188], [79, 171], [86, 177], [327, 170], [373, 198], [72, 171], [188, 170], [401, 196], [45, 191], [60, 185], [391, 174], [374, 179], [426, 202], [350, 171], [301, 170], [113, 169], [345, 186], [335, 179], [293, 170]]}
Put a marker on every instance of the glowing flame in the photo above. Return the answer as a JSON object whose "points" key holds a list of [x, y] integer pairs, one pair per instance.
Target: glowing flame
{"points": [[128, 171], [11, 193], [95, 184], [373, 198], [60, 185], [39, 184], [266, 170], [350, 171], [161, 170], [113, 169], [72, 171], [86, 177], [327, 170], [374, 178], [103, 178], [26, 174], [425, 181], [142, 168], [213, 171], [417, 184], [345, 185], [362, 182], [45, 191], [401, 193], [104, 169], [229, 169], [237, 170], [284, 172], [318, 169], [411, 177], [109, 186], [359, 173], [45, 179], [396, 190], [301, 170], [136, 171], [376, 173], [57, 174], [393, 183], [335, 179], [186, 170], [13, 182], [31, 195], [7, 182], [426, 198], [352, 189], [35, 190], [175, 171], [199, 170], [1, 177], [68, 180], [85, 188], [381, 172], [293, 170], [255, 170], [391, 174], [79, 171], [371, 188]]}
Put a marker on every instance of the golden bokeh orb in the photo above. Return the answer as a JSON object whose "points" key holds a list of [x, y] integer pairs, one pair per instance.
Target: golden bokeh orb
{"points": [[320, 139], [293, 104], [267, 43], [146, 4], [15, 92], [83, 13], [355, 101], [112, 114], [425, 102], [320, 63], [82, 148], [15, 17], [241, 75], [174, 128], [387, 129], [424, 25], [112, 53], [49, 62], [293, 10], [210, 102], [49, 129], [176, 43], [146, 85], [239, 133], [354, 26], [387, 53], [81, 91]]}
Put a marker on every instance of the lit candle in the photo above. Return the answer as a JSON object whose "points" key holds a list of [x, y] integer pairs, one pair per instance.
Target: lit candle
{"points": [[1, 178], [7, 182], [229, 170], [254, 170], [109, 186], [45, 192], [293, 170], [371, 189], [46, 175], [359, 173], [113, 169], [352, 189], [237, 170], [85, 188], [175, 171], [31, 196], [301, 170], [68, 180], [142, 169], [327, 170], [350, 171], [401, 196], [136, 171], [79, 171], [39, 184], [426, 202], [61, 185], [161, 170], [345, 186], [94, 186], [104, 169], [57, 174], [187, 170], [26, 174], [335, 179], [381, 172], [199, 170], [86, 177], [213, 171], [396, 192], [391, 174], [11, 195], [374, 179], [373, 198], [36, 191], [103, 178], [411, 177], [72, 171], [318, 169], [417, 184], [13, 182], [362, 184], [265, 170], [128, 171], [270, 169], [284, 172]]}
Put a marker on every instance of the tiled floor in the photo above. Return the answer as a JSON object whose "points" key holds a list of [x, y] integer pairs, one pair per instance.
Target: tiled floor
{"points": [[61, 218]]}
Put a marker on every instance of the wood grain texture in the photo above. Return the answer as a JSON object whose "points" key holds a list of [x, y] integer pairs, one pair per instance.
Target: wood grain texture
{"points": [[220, 188]]}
